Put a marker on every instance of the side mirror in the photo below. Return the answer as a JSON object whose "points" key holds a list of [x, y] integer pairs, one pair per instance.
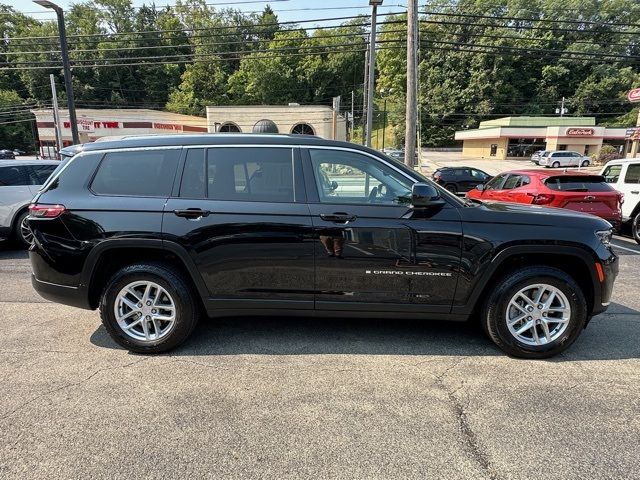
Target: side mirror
{"points": [[480, 187], [424, 195], [334, 185]]}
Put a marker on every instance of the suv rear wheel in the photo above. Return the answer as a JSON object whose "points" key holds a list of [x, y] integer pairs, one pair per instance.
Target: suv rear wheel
{"points": [[537, 312], [635, 228], [148, 308]]}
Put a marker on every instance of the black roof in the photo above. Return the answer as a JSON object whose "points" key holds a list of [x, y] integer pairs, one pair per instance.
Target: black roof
{"points": [[213, 139]]}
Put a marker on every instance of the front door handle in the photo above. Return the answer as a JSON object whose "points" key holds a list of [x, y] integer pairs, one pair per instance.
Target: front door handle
{"points": [[338, 217], [192, 213], [635, 192]]}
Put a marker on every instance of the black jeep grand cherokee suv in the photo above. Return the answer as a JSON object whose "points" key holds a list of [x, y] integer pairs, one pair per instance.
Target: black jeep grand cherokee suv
{"points": [[156, 231]]}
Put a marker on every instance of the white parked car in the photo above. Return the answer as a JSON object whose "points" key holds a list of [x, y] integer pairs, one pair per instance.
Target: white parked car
{"points": [[535, 158], [564, 158], [624, 176]]}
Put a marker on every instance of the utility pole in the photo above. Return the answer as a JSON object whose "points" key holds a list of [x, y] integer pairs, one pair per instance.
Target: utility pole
{"points": [[68, 84], [412, 83], [336, 108], [384, 122], [56, 116], [562, 110], [364, 97], [352, 117], [371, 80]]}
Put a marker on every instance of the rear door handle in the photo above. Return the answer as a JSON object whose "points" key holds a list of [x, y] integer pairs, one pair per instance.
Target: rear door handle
{"points": [[337, 217], [192, 213], [635, 192]]}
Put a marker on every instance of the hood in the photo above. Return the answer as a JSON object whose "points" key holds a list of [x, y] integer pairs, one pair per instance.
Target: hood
{"points": [[534, 215]]}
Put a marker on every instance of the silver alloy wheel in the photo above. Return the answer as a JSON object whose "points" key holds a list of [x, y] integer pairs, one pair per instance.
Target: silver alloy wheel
{"points": [[145, 311], [25, 231], [538, 314]]}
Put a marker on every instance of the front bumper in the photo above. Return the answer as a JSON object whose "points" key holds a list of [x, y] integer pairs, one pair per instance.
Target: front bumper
{"points": [[603, 296]]}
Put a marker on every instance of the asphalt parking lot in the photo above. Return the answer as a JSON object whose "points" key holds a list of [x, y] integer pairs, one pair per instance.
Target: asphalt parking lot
{"points": [[311, 398]]}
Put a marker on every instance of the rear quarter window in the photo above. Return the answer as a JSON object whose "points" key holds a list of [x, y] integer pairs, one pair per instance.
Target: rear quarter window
{"points": [[569, 183], [633, 174], [145, 173]]}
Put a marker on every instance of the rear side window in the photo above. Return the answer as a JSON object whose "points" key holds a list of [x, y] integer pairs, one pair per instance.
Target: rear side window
{"points": [[583, 183], [145, 173], [42, 173], [14, 176], [263, 174], [194, 175], [633, 174]]}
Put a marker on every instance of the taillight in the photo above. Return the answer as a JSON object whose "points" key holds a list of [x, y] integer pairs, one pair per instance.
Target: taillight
{"points": [[45, 211], [543, 199], [621, 198]]}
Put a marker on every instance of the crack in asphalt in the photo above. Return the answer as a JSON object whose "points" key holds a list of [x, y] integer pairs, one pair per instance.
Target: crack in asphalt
{"points": [[468, 435], [70, 385]]}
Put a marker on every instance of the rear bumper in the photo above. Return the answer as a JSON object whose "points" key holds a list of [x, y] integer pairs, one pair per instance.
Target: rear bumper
{"points": [[72, 296]]}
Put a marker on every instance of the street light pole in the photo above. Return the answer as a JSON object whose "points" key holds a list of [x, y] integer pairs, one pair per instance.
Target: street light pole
{"points": [[68, 84], [372, 69]]}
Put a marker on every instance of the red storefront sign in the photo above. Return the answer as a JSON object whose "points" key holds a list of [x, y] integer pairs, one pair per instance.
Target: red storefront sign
{"points": [[580, 132], [83, 125], [634, 95], [167, 126]]}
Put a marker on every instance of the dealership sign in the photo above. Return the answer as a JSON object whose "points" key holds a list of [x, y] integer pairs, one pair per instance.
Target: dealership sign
{"points": [[634, 95], [633, 133], [580, 132]]}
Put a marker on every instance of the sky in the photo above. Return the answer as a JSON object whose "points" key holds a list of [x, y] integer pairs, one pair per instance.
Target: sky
{"points": [[287, 10]]}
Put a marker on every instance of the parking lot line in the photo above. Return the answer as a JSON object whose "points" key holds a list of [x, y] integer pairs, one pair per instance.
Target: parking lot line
{"points": [[637, 252]]}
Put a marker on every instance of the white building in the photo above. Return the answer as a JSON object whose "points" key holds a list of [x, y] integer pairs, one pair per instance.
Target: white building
{"points": [[293, 118], [97, 123]]}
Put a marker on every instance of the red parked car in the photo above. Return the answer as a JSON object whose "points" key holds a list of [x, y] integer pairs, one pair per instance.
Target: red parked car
{"points": [[580, 191]]}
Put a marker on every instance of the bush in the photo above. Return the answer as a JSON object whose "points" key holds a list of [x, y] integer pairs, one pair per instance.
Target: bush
{"points": [[606, 154]]}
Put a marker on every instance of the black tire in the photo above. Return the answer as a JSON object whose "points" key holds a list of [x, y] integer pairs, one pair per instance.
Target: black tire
{"points": [[555, 164], [586, 163], [495, 308], [187, 311], [452, 188], [19, 234], [635, 228]]}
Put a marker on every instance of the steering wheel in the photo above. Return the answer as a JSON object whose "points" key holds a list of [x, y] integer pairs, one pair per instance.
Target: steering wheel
{"points": [[372, 195]]}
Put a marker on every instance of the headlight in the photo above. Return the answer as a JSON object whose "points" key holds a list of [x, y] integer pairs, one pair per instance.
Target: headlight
{"points": [[605, 236]]}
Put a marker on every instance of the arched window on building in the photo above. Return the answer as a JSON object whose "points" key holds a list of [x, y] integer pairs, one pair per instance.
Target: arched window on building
{"points": [[302, 129], [265, 126], [229, 127]]}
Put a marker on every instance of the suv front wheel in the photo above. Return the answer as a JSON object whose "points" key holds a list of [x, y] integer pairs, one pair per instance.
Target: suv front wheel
{"points": [[536, 312], [148, 308]]}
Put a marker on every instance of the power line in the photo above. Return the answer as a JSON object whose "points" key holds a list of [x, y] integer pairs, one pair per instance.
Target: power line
{"points": [[522, 19]]}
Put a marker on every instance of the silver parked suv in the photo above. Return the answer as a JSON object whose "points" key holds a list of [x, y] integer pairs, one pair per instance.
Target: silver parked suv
{"points": [[20, 180], [563, 158]]}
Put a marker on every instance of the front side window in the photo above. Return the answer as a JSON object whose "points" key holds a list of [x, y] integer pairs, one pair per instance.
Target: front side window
{"points": [[350, 177], [611, 174], [263, 174], [478, 175], [495, 183], [14, 176], [633, 174], [144, 173], [512, 182]]}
